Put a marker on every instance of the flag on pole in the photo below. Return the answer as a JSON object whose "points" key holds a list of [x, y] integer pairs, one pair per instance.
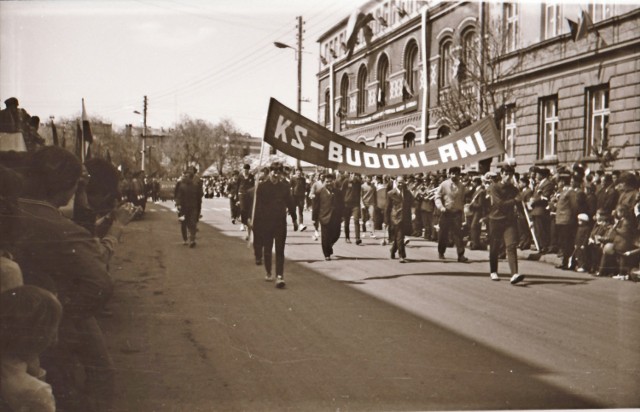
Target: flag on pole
{"points": [[573, 28], [78, 148], [86, 126], [583, 27], [357, 21]]}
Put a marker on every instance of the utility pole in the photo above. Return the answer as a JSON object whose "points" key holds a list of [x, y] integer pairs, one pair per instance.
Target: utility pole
{"points": [[299, 50], [144, 130]]}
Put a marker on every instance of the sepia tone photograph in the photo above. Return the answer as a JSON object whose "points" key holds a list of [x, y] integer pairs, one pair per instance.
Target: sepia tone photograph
{"points": [[319, 205]]}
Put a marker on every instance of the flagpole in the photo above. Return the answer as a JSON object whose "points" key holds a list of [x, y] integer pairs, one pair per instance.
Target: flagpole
{"points": [[255, 194], [425, 84]]}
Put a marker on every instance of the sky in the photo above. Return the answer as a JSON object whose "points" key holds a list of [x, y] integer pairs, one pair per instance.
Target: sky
{"points": [[209, 60]]}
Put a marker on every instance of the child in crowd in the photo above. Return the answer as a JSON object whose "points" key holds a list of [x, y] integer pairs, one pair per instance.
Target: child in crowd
{"points": [[29, 319]]}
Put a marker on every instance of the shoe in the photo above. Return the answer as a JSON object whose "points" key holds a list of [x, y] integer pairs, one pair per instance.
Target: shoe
{"points": [[383, 242], [406, 241], [581, 270], [393, 255], [516, 279], [463, 259], [327, 258], [280, 282], [358, 241], [258, 262], [620, 277], [347, 240], [233, 221], [403, 260], [302, 228], [441, 255], [268, 277], [314, 236], [494, 276], [192, 244], [242, 227]]}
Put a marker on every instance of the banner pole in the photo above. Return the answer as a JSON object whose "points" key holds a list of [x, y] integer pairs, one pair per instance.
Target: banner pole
{"points": [[255, 195]]}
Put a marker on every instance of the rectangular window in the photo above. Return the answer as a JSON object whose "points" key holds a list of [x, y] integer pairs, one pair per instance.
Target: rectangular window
{"points": [[552, 20], [597, 136], [511, 26], [599, 10], [548, 137], [509, 132]]}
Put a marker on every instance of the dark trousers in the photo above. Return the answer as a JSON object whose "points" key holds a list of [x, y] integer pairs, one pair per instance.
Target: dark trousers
{"points": [[451, 223], [329, 234], [475, 229], [566, 240], [245, 207], [503, 230], [235, 209], [299, 201], [258, 244], [190, 225], [355, 212], [427, 222], [541, 227], [275, 233], [396, 236], [525, 233]]}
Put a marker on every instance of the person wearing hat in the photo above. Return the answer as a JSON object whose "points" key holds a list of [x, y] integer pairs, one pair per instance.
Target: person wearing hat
{"points": [[328, 210], [189, 204], [246, 180], [273, 200], [13, 119], [540, 214], [571, 201], [449, 199]]}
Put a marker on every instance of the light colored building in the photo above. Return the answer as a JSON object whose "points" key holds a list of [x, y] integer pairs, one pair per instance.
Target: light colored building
{"points": [[558, 96]]}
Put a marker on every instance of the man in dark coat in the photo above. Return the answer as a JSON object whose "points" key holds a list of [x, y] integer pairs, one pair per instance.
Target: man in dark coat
{"points": [[273, 200], [328, 210], [540, 214], [188, 197], [398, 217], [245, 182]]}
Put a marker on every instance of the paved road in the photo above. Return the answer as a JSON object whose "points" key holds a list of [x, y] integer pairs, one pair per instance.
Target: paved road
{"points": [[199, 329]]}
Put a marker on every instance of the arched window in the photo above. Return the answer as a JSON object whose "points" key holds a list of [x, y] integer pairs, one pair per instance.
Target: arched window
{"points": [[443, 131], [362, 90], [412, 76], [470, 63], [446, 63], [327, 108], [344, 96], [383, 81], [409, 140]]}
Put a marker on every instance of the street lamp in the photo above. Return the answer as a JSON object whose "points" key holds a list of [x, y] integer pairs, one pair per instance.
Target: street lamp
{"points": [[299, 56]]}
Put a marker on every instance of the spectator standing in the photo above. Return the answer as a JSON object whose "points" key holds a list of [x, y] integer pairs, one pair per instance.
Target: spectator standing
{"points": [[352, 191], [540, 213], [368, 191], [299, 192], [571, 202], [245, 182]]}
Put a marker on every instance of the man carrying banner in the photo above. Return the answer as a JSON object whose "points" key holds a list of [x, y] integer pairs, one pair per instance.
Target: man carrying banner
{"points": [[273, 199], [449, 200]]}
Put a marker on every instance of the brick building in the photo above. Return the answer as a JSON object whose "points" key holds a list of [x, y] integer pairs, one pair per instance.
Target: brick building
{"points": [[559, 94]]}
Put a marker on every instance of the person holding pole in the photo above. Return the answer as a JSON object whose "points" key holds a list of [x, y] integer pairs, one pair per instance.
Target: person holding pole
{"points": [[503, 222]]}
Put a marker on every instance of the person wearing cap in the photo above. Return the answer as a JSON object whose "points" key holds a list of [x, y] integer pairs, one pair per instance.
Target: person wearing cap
{"points": [[571, 201], [189, 204], [273, 200], [328, 205], [503, 223], [540, 213], [449, 198]]}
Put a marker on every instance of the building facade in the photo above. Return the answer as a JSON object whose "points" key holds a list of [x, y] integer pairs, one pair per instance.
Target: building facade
{"points": [[561, 80]]}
